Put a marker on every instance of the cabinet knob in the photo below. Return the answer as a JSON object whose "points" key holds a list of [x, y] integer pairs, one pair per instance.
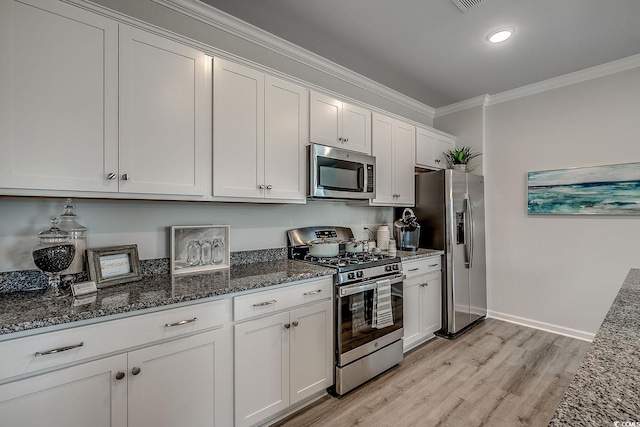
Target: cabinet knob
{"points": [[287, 325], [126, 177], [135, 370], [424, 285], [261, 186], [111, 176], [294, 323], [437, 160], [340, 139], [346, 139], [120, 375], [269, 187]]}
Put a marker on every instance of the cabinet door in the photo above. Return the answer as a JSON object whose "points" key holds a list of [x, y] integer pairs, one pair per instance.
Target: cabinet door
{"points": [[238, 130], [311, 350], [175, 383], [325, 125], [383, 136], [411, 310], [82, 395], [356, 128], [404, 164], [430, 148], [58, 97], [431, 296], [261, 368], [163, 115], [286, 128]]}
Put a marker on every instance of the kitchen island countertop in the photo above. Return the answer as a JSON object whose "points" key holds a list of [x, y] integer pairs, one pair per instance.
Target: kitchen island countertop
{"points": [[28, 311], [606, 387]]}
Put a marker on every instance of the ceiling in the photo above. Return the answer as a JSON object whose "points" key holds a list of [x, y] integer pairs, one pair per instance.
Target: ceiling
{"points": [[433, 52]]}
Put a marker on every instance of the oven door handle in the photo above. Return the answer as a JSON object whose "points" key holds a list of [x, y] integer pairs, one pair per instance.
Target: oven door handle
{"points": [[344, 291]]}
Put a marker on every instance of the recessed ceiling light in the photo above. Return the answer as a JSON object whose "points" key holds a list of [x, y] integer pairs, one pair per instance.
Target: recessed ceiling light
{"points": [[500, 35]]}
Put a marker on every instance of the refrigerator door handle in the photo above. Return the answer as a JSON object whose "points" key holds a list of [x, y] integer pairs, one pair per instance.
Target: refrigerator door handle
{"points": [[469, 244]]}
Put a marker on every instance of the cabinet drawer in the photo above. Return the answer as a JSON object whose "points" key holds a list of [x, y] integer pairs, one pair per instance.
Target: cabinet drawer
{"points": [[52, 349], [421, 266], [265, 302]]}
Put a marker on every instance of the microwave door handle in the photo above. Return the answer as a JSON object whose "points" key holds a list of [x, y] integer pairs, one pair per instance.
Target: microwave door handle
{"points": [[361, 177]]}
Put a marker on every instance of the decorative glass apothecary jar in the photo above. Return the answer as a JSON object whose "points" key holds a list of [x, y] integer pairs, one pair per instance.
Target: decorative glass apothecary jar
{"points": [[77, 236], [53, 254]]}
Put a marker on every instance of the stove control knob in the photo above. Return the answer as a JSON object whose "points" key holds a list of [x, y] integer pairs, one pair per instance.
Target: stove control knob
{"points": [[351, 276], [387, 268], [395, 267], [360, 274]]}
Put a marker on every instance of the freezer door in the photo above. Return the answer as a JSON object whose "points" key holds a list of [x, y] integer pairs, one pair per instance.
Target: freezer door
{"points": [[477, 270], [459, 234]]}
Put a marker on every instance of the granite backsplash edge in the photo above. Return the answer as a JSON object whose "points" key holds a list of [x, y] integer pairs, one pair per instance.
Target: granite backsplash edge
{"points": [[35, 280]]}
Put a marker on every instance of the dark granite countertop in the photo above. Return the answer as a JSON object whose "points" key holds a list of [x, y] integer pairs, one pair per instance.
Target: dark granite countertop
{"points": [[606, 387], [420, 253], [24, 311]]}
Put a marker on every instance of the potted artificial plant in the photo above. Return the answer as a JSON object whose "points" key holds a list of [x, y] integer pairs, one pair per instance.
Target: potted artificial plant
{"points": [[457, 158]]}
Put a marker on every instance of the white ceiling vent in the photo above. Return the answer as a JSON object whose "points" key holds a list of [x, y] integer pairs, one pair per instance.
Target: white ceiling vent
{"points": [[465, 5]]}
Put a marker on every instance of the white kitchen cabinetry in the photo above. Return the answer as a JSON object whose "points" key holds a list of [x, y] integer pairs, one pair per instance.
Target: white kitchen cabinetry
{"points": [[422, 300], [59, 97], [430, 146], [259, 131], [394, 148], [285, 357], [338, 124], [164, 120], [90, 105], [183, 379]]}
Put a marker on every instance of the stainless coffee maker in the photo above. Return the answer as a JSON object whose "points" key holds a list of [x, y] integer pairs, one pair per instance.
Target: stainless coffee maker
{"points": [[407, 231]]}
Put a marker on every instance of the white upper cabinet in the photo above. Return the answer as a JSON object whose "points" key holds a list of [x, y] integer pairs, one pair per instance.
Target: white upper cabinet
{"points": [[91, 105], [58, 97], [164, 135], [394, 148], [430, 146], [338, 124], [259, 128]]}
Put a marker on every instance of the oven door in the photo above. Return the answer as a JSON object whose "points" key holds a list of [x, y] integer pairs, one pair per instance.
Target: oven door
{"points": [[357, 335]]}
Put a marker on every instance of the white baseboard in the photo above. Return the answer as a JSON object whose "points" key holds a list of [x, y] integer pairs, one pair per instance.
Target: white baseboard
{"points": [[548, 327]]}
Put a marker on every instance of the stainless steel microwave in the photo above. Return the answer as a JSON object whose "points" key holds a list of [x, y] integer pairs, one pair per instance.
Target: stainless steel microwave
{"points": [[335, 173]]}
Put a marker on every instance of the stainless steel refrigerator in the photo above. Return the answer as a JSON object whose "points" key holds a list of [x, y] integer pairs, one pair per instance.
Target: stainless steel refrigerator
{"points": [[450, 210]]}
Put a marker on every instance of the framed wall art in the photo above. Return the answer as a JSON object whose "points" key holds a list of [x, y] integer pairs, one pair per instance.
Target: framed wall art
{"points": [[600, 190], [199, 248], [114, 265]]}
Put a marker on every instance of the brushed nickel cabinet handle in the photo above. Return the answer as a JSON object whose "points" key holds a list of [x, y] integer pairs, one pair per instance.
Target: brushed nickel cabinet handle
{"points": [[120, 375], [136, 370], [424, 285], [111, 176], [433, 265], [414, 269], [58, 350], [312, 292], [262, 304], [182, 322]]}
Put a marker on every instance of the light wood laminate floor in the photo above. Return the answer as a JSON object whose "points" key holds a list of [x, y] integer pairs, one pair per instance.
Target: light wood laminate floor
{"points": [[496, 374]]}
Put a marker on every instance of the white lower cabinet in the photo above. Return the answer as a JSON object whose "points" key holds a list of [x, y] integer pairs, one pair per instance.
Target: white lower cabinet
{"points": [[282, 359], [82, 395], [422, 300], [184, 381]]}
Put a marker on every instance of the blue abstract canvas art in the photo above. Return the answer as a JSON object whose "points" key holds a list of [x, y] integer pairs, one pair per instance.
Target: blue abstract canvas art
{"points": [[604, 190]]}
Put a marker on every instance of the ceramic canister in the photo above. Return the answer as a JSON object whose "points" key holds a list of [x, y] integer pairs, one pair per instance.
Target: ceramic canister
{"points": [[383, 237]]}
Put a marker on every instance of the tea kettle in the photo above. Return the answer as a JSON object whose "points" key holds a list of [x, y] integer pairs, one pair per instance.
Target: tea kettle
{"points": [[407, 231]]}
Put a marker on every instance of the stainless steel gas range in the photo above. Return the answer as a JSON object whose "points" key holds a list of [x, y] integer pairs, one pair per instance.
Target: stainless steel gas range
{"points": [[368, 306]]}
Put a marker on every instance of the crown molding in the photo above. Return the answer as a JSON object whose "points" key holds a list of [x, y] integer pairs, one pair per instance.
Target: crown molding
{"points": [[543, 86], [462, 105], [234, 26]]}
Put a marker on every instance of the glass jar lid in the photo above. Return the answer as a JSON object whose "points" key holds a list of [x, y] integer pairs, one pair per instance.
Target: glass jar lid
{"points": [[69, 219], [53, 234]]}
